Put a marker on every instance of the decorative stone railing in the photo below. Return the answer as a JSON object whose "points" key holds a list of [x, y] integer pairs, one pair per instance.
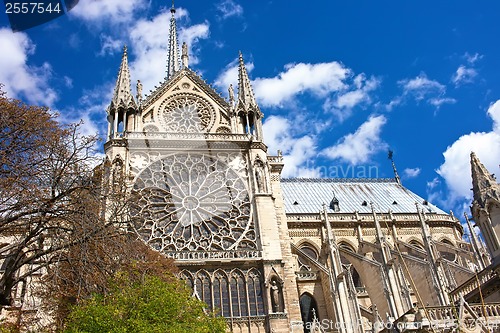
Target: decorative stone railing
{"points": [[214, 255], [187, 136], [447, 319], [275, 159], [365, 217], [252, 319], [472, 284], [306, 276], [361, 291]]}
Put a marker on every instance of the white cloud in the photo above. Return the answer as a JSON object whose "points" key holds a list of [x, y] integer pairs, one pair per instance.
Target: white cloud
{"points": [[464, 75], [393, 103], [456, 167], [332, 83], [192, 35], [358, 147], [229, 8], [343, 104], [318, 79], [230, 75], [438, 101], [297, 150], [108, 11], [149, 46], [68, 82], [494, 113], [421, 86], [472, 58], [110, 45], [90, 110], [355, 97], [411, 172], [21, 79]]}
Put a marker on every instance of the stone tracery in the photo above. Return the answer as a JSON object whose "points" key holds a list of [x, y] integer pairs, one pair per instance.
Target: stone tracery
{"points": [[186, 113], [235, 293], [193, 202]]}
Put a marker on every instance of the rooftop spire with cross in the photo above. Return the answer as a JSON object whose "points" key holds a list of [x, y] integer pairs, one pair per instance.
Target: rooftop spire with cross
{"points": [[173, 59]]}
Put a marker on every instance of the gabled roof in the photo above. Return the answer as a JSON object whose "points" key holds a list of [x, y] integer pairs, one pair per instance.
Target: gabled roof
{"points": [[307, 195], [167, 84]]}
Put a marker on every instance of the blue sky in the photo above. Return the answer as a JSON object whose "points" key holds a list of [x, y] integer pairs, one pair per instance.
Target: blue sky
{"points": [[339, 82]]}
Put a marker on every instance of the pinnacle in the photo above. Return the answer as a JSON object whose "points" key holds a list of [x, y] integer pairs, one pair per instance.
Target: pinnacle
{"points": [[123, 94], [484, 185], [246, 98]]}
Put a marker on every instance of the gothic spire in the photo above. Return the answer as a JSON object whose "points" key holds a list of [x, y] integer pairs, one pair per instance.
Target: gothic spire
{"points": [[123, 93], [173, 60], [396, 175], [484, 185], [246, 98]]}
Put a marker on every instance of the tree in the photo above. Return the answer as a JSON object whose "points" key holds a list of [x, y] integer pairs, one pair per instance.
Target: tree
{"points": [[53, 202], [45, 167], [147, 305], [88, 269]]}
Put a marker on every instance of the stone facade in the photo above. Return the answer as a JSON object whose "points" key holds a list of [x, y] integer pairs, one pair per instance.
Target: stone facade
{"points": [[273, 255]]}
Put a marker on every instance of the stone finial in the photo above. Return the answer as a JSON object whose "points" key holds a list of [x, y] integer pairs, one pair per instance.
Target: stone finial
{"points": [[139, 91], [185, 55]]}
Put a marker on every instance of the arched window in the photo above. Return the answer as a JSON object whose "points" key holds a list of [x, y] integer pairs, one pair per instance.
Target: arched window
{"points": [[346, 247], [235, 293], [238, 295], [308, 310], [418, 245], [256, 304], [448, 254], [311, 252], [356, 279]]}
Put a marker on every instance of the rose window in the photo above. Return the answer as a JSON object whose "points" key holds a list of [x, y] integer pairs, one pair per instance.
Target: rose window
{"points": [[193, 202], [186, 113]]}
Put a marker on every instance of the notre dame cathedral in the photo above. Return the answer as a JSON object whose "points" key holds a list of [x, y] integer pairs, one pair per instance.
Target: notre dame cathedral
{"points": [[282, 255]]}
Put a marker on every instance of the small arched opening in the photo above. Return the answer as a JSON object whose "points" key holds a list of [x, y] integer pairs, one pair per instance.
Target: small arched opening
{"points": [[308, 311]]}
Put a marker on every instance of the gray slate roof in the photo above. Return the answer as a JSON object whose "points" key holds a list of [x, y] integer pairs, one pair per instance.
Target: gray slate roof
{"points": [[307, 195]]}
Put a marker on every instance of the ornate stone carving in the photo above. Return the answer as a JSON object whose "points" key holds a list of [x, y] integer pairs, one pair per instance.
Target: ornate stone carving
{"points": [[194, 202], [186, 113]]}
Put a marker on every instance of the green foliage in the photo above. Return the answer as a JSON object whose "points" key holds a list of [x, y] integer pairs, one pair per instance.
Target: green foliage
{"points": [[8, 328], [151, 306]]}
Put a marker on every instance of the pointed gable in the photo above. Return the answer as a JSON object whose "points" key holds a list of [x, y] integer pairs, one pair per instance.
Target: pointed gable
{"points": [[186, 104]]}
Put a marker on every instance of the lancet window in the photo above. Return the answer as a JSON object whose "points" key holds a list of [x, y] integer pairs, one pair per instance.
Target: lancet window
{"points": [[233, 293]]}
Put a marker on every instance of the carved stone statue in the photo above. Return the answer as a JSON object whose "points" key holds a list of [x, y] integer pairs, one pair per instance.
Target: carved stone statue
{"points": [[184, 55], [260, 178], [231, 94], [139, 90], [275, 296]]}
